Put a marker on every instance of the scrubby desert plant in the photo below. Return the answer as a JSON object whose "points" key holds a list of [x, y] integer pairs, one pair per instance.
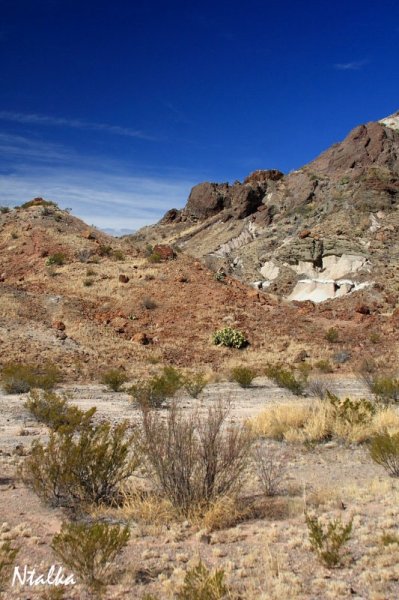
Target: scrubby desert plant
{"points": [[8, 554], [84, 467], [194, 459], [118, 255], [90, 549], [194, 384], [324, 366], [285, 378], [243, 376], [318, 387], [55, 411], [269, 469], [39, 202], [332, 335], [4, 210], [384, 388], [149, 303], [18, 378], [201, 584], [157, 390], [384, 450], [229, 337], [58, 259], [328, 541], [114, 379], [154, 257], [351, 412]]}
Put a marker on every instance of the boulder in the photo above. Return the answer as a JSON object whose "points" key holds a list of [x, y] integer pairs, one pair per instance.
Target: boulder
{"points": [[59, 325], [164, 251], [207, 199], [141, 338], [123, 278]]}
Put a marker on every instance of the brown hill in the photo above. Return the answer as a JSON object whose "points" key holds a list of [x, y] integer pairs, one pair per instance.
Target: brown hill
{"points": [[77, 297]]}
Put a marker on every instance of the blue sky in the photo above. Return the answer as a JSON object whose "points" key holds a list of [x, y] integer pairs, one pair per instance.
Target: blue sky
{"points": [[115, 109]]}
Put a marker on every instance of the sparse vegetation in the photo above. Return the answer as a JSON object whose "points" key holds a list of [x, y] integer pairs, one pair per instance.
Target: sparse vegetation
{"points": [[55, 411], [328, 542], [285, 378], [88, 282], [269, 469], [18, 378], [154, 392], [243, 376], [8, 553], [114, 379], [384, 450], [89, 466], [58, 259], [90, 549], [324, 366], [154, 257], [201, 584], [39, 202], [231, 338], [149, 303], [118, 255], [195, 460], [332, 335], [4, 210], [194, 384]]}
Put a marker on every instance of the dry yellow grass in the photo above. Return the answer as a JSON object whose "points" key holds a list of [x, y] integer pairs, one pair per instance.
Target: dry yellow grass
{"points": [[317, 421]]}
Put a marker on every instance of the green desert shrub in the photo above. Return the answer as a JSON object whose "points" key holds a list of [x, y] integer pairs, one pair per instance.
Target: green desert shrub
{"points": [[39, 202], [55, 411], [202, 584], [104, 250], [194, 384], [84, 467], [89, 549], [232, 338], [194, 459], [8, 554], [154, 392], [384, 450], [58, 259], [332, 335], [351, 412], [114, 379], [327, 542], [4, 210], [285, 378], [385, 389], [324, 366], [18, 378], [118, 255], [154, 257], [243, 376]]}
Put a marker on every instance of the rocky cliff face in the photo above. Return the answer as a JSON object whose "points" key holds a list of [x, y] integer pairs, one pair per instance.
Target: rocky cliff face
{"points": [[320, 232]]}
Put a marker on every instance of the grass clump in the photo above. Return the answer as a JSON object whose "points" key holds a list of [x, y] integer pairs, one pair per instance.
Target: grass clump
{"points": [[385, 389], [157, 390], [194, 384], [85, 467], [285, 378], [384, 450], [229, 337], [324, 366], [332, 335], [195, 459], [4, 210], [243, 376], [39, 202], [58, 259], [54, 410], [18, 378], [327, 542], [90, 549], [114, 379], [201, 584]]}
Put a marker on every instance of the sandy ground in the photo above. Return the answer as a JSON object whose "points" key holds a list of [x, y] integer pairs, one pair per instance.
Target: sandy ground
{"points": [[264, 558]]}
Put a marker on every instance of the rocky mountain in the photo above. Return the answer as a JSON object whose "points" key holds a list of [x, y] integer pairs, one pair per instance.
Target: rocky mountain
{"points": [[321, 232]]}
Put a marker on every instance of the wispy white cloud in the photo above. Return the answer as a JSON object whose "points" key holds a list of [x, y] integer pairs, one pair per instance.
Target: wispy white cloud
{"points": [[355, 65], [37, 119]]}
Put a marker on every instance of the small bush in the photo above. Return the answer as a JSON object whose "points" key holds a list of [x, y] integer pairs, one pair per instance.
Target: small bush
{"points": [[84, 467], [200, 584], [195, 459], [88, 282], [243, 376], [232, 338], [58, 259], [8, 554], [4, 210], [389, 538], [269, 469], [351, 412], [105, 250], [332, 335], [318, 388], [385, 389], [384, 450], [149, 304], [154, 257], [54, 411], [327, 543], [90, 549], [39, 202], [285, 379], [194, 384], [114, 379], [324, 366], [19, 379], [118, 255], [154, 392]]}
